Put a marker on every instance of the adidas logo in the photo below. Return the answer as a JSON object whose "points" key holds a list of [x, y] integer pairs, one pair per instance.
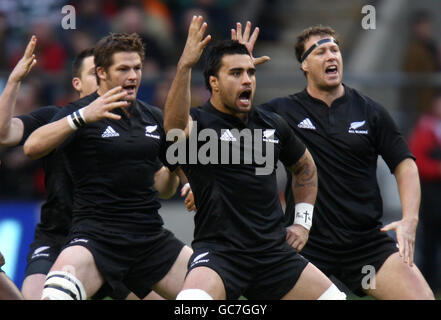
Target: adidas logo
{"points": [[306, 124], [109, 132], [227, 136]]}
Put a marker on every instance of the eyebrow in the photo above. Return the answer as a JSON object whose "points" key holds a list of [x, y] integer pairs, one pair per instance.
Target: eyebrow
{"points": [[241, 69], [124, 65]]}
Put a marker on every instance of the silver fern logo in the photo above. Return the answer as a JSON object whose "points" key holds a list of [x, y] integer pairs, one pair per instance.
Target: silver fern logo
{"points": [[353, 128]]}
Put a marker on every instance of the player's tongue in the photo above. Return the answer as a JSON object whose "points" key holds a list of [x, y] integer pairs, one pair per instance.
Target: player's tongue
{"points": [[244, 98], [130, 88]]}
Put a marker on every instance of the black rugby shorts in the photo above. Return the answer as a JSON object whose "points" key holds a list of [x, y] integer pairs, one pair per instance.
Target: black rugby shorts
{"points": [[263, 276]]}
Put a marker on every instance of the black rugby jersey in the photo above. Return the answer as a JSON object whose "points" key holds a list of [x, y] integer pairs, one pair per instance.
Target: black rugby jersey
{"points": [[56, 211], [112, 163], [345, 141], [237, 208]]}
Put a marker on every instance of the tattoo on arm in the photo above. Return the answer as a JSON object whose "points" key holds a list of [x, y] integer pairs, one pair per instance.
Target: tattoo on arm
{"points": [[305, 172]]}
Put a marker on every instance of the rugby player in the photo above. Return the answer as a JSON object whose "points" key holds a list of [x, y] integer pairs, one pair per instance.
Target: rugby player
{"points": [[240, 245]]}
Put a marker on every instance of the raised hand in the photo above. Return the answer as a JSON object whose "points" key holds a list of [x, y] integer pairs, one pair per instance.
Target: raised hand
{"points": [[195, 44], [248, 39], [101, 107], [26, 63]]}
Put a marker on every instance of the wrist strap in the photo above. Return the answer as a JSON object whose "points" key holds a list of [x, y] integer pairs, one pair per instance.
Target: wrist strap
{"points": [[303, 214], [76, 119], [71, 123]]}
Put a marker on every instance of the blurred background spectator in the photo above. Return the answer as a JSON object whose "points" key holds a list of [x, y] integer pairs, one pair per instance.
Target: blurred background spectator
{"points": [[425, 143], [421, 58]]}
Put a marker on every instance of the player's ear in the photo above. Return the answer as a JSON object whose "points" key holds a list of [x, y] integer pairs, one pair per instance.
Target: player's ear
{"points": [[304, 66], [214, 83], [101, 73], [76, 83]]}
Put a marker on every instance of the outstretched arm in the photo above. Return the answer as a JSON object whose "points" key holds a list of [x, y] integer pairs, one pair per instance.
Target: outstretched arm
{"points": [[11, 129], [304, 188], [406, 174], [46, 138], [177, 105]]}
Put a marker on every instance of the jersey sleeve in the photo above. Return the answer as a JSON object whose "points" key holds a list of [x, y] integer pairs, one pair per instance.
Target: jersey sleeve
{"points": [[34, 120], [292, 147], [268, 106], [390, 143], [162, 157]]}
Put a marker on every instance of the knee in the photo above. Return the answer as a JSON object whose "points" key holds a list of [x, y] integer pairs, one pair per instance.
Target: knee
{"points": [[428, 294], [61, 285], [193, 294], [332, 293]]}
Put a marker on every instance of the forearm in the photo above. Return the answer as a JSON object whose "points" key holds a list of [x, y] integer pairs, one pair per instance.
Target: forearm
{"points": [[182, 177], [304, 180], [409, 189], [7, 105], [46, 138], [166, 183], [177, 105]]}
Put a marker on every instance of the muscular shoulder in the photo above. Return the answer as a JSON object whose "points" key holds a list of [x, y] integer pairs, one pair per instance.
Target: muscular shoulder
{"points": [[274, 120], [41, 115], [154, 111], [82, 102], [197, 112], [372, 108], [278, 104]]}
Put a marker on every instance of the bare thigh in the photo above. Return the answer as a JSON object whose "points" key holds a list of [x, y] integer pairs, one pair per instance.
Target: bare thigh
{"points": [[33, 286], [80, 262], [169, 286], [206, 279], [310, 286], [397, 280]]}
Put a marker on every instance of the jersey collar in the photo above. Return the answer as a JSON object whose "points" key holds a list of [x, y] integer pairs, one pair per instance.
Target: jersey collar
{"points": [[337, 102], [235, 121]]}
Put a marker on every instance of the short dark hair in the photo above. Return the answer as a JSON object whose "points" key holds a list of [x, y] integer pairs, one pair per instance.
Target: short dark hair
{"points": [[116, 42], [215, 54], [304, 36], [77, 63]]}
